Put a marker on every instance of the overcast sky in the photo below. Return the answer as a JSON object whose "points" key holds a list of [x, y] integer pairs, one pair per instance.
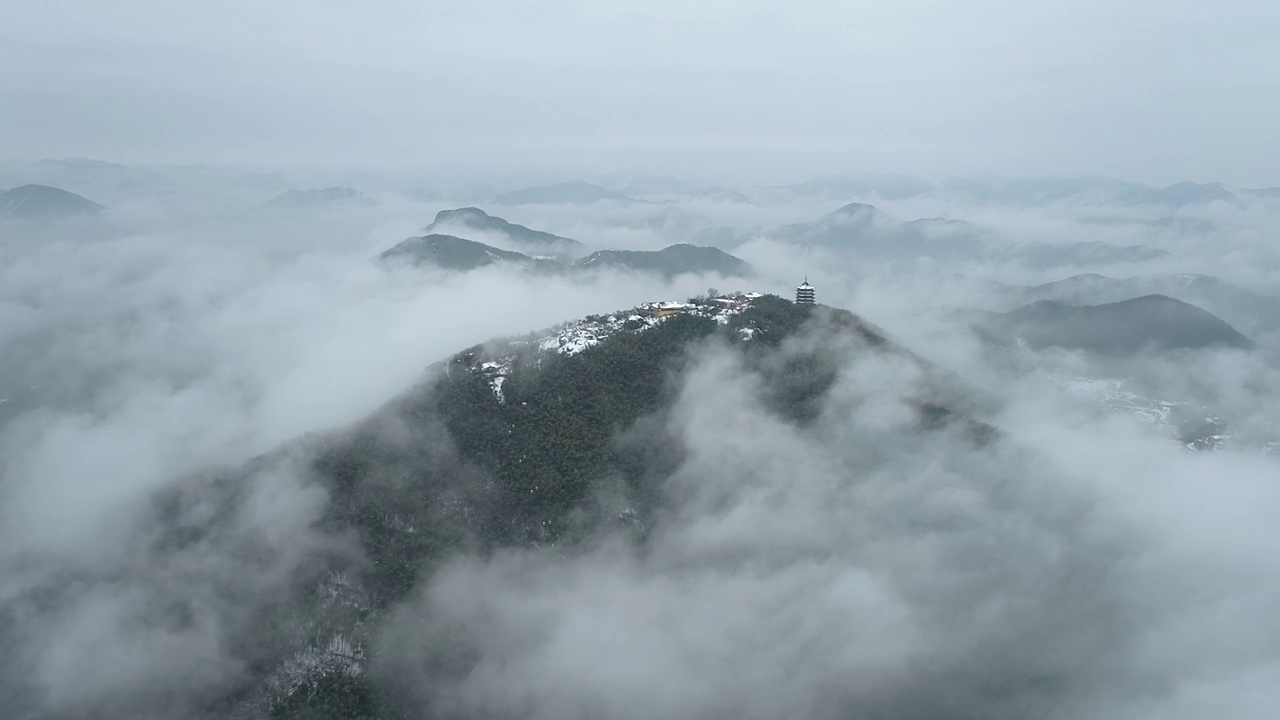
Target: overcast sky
{"points": [[1143, 89]]}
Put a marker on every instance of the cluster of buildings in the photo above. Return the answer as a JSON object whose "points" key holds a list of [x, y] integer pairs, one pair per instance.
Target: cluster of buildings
{"points": [[805, 295], [722, 304], [574, 337]]}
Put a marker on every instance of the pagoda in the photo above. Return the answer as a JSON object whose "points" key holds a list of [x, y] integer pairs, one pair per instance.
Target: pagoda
{"points": [[805, 293]]}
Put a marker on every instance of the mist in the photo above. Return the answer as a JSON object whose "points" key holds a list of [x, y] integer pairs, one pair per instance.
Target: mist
{"points": [[1083, 569], [1085, 565], [251, 468]]}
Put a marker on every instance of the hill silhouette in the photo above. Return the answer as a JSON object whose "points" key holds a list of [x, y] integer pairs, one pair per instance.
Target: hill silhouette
{"points": [[42, 202], [1151, 322]]}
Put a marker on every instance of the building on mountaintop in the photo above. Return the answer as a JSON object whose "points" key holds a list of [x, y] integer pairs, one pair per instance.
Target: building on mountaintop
{"points": [[668, 308], [805, 294]]}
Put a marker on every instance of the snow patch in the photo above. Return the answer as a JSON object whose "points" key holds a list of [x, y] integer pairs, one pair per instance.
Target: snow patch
{"points": [[575, 337]]}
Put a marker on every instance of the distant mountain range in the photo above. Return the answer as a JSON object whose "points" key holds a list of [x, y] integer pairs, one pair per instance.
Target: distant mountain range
{"points": [[670, 188], [1241, 308], [475, 219], [320, 198], [1150, 322], [108, 183], [866, 231], [1021, 191], [887, 186], [41, 202], [1101, 191], [455, 253], [573, 192], [555, 253]]}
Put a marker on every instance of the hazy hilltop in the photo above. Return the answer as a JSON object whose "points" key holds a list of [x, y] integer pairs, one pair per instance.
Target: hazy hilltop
{"points": [[1148, 323], [1187, 194], [105, 182], [41, 202], [671, 260], [454, 253], [510, 446], [1238, 306], [863, 230], [475, 219]]}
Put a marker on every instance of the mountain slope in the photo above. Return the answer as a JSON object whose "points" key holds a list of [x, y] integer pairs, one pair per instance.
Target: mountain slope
{"points": [[454, 253], [671, 260], [529, 442], [539, 414], [41, 202], [573, 192], [472, 218], [1151, 322]]}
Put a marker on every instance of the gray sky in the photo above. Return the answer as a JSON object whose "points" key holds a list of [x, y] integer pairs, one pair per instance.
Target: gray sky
{"points": [[1155, 91]]}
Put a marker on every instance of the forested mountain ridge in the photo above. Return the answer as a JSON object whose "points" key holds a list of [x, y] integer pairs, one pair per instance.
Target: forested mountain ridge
{"points": [[571, 445]]}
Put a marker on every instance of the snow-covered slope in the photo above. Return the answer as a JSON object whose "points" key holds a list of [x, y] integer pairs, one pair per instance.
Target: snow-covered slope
{"points": [[573, 337], [1196, 427]]}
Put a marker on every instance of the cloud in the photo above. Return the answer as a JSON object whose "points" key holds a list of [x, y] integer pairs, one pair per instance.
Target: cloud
{"points": [[1084, 566], [153, 509], [859, 567]]}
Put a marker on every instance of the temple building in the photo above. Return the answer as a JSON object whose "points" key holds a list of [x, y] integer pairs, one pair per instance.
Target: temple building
{"points": [[805, 293]]}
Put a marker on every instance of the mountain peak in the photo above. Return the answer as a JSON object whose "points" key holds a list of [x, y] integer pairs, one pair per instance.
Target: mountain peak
{"points": [[462, 213], [31, 201], [856, 208], [473, 218], [861, 213], [451, 252]]}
